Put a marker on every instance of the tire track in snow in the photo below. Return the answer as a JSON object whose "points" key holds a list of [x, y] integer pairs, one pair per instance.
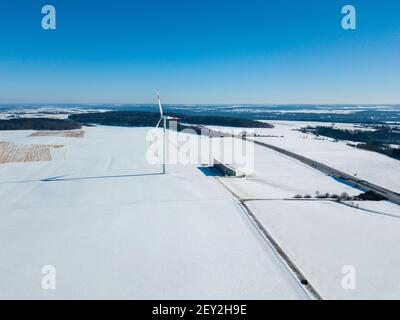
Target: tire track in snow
{"points": [[276, 248]]}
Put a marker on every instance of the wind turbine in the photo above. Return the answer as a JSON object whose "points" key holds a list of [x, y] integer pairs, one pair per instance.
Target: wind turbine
{"points": [[164, 119]]}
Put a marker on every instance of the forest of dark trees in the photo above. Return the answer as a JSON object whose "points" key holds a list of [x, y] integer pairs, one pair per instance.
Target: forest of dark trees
{"points": [[378, 140], [125, 119], [150, 119], [38, 124], [384, 135], [365, 117], [389, 151]]}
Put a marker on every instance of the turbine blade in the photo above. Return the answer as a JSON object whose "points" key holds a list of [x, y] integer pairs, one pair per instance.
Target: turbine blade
{"points": [[159, 104], [158, 124]]}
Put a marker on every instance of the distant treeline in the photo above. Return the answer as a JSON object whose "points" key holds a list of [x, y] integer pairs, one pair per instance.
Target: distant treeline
{"points": [[384, 135], [378, 140], [38, 124], [365, 196], [365, 117], [389, 151], [150, 119]]}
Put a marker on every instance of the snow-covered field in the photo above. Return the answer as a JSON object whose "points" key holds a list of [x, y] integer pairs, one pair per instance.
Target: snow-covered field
{"points": [[371, 166], [114, 227], [56, 112], [276, 176], [380, 207], [326, 238]]}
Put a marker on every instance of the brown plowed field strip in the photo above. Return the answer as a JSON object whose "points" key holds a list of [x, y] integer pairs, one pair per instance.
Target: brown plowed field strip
{"points": [[65, 134], [11, 152]]}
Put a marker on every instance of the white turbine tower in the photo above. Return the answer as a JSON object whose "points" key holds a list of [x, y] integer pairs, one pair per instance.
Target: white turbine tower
{"points": [[164, 119]]}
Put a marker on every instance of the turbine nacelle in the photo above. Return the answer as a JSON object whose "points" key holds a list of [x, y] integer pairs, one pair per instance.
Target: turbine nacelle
{"points": [[166, 118]]}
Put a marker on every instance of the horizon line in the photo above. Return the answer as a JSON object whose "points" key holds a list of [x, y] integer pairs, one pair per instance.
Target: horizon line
{"points": [[213, 103]]}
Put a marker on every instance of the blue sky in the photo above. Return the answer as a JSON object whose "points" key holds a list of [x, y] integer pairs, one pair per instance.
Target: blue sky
{"points": [[200, 51]]}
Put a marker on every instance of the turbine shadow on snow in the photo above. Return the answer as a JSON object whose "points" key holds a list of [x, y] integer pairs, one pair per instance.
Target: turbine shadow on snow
{"points": [[99, 177], [62, 178]]}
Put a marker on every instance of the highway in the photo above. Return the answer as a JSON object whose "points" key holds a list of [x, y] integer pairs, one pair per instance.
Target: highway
{"points": [[345, 177], [350, 179]]}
